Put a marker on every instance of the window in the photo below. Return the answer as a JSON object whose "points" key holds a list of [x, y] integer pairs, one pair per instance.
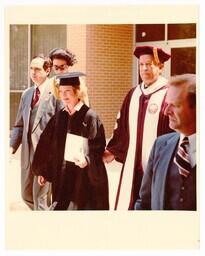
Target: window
{"points": [[183, 60], [25, 42], [150, 32], [181, 31]]}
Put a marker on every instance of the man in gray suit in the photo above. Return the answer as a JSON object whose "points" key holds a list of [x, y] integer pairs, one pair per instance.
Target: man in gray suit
{"points": [[36, 107], [169, 182]]}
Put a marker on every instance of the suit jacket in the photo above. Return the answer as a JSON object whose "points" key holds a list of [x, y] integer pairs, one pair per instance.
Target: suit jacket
{"points": [[48, 106], [152, 192]]}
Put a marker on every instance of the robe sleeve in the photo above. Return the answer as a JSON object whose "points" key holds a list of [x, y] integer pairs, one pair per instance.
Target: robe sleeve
{"points": [[96, 169], [43, 157], [118, 144]]}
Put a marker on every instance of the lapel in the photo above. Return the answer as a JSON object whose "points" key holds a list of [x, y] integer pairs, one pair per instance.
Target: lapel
{"points": [[43, 104], [165, 156], [29, 99]]}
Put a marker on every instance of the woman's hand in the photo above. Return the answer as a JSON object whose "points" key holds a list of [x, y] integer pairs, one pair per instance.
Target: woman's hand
{"points": [[81, 162], [41, 180]]}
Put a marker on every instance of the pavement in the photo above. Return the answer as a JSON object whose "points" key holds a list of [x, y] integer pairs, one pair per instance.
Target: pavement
{"points": [[14, 200]]}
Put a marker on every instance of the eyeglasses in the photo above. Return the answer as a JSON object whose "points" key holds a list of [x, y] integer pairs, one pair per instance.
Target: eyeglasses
{"points": [[61, 67]]}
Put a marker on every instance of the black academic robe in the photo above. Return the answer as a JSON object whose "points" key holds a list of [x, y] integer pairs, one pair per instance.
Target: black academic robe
{"points": [[86, 187]]}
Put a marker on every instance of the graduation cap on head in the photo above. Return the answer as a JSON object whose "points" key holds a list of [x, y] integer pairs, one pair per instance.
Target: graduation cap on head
{"points": [[158, 54], [71, 78]]}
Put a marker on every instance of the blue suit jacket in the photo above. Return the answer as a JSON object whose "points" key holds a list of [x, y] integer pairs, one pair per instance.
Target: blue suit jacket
{"points": [[152, 192]]}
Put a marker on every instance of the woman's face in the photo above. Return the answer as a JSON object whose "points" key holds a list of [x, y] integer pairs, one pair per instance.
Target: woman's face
{"points": [[68, 96], [60, 66]]}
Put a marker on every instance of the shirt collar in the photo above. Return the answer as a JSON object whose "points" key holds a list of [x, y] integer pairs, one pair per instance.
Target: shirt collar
{"points": [[41, 87], [78, 106]]}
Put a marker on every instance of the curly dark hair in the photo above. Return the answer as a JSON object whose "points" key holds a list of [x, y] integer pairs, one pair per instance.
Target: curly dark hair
{"points": [[65, 54]]}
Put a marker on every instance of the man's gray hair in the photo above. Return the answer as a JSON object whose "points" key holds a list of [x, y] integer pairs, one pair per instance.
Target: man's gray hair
{"points": [[188, 80]]}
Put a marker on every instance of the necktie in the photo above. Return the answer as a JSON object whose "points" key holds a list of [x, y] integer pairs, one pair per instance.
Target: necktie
{"points": [[36, 97], [182, 159]]}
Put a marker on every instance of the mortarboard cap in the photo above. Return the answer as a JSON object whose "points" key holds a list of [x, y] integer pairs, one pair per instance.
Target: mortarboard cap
{"points": [[158, 53], [71, 78]]}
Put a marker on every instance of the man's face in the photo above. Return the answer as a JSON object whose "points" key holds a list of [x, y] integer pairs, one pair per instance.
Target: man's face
{"points": [[37, 73], [182, 117], [60, 66], [149, 71]]}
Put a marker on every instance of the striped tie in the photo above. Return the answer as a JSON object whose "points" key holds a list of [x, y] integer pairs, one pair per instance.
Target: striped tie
{"points": [[182, 159]]}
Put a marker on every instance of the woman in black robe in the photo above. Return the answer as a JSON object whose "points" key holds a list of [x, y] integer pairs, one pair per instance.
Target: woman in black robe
{"points": [[82, 184]]}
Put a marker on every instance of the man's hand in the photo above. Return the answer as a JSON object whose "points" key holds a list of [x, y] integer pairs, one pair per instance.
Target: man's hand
{"points": [[107, 157]]}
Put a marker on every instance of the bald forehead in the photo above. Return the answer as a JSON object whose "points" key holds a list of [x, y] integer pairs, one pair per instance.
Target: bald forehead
{"points": [[37, 63]]}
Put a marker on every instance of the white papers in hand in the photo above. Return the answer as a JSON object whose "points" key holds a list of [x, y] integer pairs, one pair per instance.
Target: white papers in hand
{"points": [[75, 147]]}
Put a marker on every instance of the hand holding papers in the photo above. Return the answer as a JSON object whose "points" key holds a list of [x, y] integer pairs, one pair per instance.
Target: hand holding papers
{"points": [[76, 149], [82, 162]]}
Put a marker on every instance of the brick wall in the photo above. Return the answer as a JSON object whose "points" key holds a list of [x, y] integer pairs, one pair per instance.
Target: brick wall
{"points": [[76, 41], [109, 69], [105, 53]]}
